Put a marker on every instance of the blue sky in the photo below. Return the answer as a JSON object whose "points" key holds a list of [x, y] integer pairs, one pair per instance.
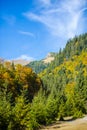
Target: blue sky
{"points": [[30, 29]]}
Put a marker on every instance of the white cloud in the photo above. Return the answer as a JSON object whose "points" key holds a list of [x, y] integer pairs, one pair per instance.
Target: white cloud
{"points": [[26, 33], [24, 57], [62, 18]]}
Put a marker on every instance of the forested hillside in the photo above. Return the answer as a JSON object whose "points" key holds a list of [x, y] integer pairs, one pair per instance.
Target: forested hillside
{"points": [[73, 47], [65, 80], [28, 100], [39, 66]]}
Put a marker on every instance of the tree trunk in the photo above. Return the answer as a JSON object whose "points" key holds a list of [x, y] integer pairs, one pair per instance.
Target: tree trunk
{"points": [[61, 118]]}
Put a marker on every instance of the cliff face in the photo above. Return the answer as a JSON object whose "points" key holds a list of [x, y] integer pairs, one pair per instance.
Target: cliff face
{"points": [[48, 58]]}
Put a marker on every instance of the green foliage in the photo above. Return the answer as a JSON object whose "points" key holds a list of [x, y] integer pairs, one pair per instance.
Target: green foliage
{"points": [[38, 66], [5, 111], [77, 114], [38, 108]]}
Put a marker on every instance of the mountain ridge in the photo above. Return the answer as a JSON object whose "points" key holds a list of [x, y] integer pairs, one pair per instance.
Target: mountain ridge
{"points": [[40, 65]]}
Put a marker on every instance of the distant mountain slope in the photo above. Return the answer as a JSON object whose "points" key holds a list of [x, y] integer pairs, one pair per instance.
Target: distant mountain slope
{"points": [[39, 66], [16, 61], [20, 61], [49, 58], [1, 60]]}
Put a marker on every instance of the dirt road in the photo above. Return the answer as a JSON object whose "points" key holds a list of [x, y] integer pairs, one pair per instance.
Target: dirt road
{"points": [[78, 124]]}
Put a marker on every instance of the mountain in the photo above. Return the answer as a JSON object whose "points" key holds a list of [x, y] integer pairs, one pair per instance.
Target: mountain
{"points": [[42, 64], [16, 61], [2, 60], [20, 61], [39, 66], [49, 58], [74, 47]]}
